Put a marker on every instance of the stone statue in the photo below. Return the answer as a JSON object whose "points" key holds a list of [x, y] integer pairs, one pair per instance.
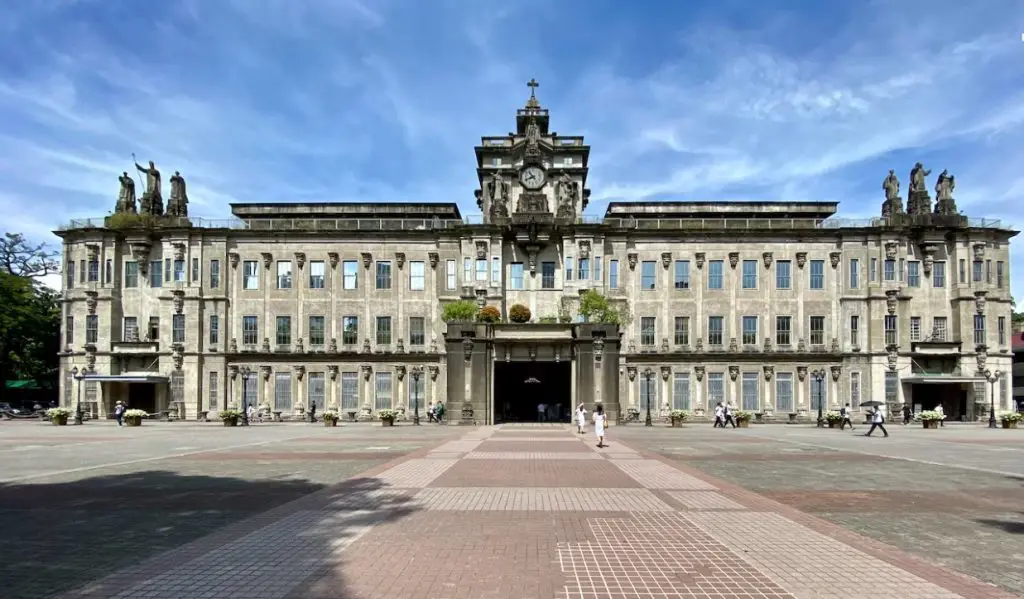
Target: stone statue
{"points": [[565, 193], [891, 185], [944, 186], [152, 199], [532, 132], [917, 175], [498, 189], [177, 204], [126, 197]]}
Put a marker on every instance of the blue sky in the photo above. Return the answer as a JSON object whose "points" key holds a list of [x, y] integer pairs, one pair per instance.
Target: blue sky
{"points": [[317, 100]]}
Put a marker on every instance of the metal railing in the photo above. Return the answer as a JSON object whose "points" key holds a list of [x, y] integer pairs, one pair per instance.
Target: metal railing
{"points": [[294, 224]]}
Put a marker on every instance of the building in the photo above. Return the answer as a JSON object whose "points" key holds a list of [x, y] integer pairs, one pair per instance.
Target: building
{"points": [[775, 306], [1018, 369]]}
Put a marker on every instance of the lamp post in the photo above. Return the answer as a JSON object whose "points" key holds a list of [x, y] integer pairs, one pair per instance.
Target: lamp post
{"points": [[78, 401], [246, 372], [416, 373], [648, 373], [819, 377], [992, 377]]}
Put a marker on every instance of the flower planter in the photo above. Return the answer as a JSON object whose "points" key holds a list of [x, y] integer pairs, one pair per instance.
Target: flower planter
{"points": [[833, 424], [1009, 424], [231, 421], [930, 423], [792, 417], [133, 421], [387, 423], [330, 422], [63, 421], [745, 423], [677, 423]]}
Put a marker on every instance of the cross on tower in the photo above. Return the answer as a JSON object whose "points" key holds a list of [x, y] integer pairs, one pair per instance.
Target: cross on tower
{"points": [[533, 85]]}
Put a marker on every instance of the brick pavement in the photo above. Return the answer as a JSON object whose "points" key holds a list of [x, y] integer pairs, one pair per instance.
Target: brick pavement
{"points": [[619, 524]]}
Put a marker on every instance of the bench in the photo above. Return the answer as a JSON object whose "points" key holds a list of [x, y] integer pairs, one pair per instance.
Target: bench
{"points": [[277, 416]]}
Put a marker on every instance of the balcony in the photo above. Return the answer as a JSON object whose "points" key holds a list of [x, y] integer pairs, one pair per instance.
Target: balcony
{"points": [[135, 347]]}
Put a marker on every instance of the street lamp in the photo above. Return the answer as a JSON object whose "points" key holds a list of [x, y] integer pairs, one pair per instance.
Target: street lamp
{"points": [[648, 373], [78, 402], [819, 377], [416, 373], [246, 372], [992, 378]]}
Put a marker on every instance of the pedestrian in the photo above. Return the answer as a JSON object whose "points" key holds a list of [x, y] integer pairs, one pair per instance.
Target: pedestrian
{"points": [[542, 412], [250, 412], [845, 413], [877, 421], [907, 414], [581, 419], [728, 416], [312, 412], [430, 411], [599, 422], [119, 413], [942, 413], [719, 416]]}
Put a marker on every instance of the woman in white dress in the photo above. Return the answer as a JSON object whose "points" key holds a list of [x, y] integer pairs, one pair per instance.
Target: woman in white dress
{"points": [[599, 422], [581, 419]]}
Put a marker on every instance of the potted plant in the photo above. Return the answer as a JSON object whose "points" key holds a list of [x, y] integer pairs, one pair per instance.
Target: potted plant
{"points": [[678, 417], [833, 418], [330, 418], [230, 416], [58, 416], [460, 311], [792, 417], [743, 418], [1010, 419], [930, 418], [488, 314], [387, 417], [134, 417], [519, 313]]}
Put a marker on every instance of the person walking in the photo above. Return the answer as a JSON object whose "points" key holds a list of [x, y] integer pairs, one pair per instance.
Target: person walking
{"points": [[581, 420], [599, 422], [907, 414], [877, 421], [845, 413], [728, 416], [719, 416], [119, 413], [942, 413]]}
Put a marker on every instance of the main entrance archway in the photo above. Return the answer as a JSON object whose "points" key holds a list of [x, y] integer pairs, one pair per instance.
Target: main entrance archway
{"points": [[519, 387]]}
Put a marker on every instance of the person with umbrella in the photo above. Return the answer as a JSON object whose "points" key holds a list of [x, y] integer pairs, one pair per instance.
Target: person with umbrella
{"points": [[877, 419]]}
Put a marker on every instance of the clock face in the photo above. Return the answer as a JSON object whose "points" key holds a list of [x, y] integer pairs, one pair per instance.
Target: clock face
{"points": [[532, 177]]}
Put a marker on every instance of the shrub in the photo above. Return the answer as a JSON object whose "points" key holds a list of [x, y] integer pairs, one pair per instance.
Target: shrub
{"points": [[744, 415], [1011, 416], [548, 319], [519, 313], [930, 415], [833, 416], [58, 413], [387, 414], [595, 308], [489, 314], [679, 414], [330, 415], [230, 414], [460, 311], [134, 413]]}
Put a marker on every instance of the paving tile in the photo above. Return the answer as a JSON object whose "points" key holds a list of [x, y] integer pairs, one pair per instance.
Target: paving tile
{"points": [[534, 473], [704, 500], [539, 499], [560, 446], [653, 474], [531, 455], [415, 473]]}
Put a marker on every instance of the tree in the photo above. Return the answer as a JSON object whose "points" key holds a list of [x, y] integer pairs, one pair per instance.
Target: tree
{"points": [[22, 259], [596, 308]]}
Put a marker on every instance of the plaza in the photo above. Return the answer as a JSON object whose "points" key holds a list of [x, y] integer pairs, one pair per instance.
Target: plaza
{"points": [[512, 511]]}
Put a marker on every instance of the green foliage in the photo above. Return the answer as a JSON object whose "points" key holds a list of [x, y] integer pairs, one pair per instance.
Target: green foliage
{"points": [[595, 308], [519, 313], [679, 414], [547, 319], [930, 415], [489, 314], [460, 311], [230, 414], [127, 220]]}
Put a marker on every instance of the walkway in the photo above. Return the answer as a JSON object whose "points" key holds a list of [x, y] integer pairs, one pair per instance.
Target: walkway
{"points": [[535, 512]]}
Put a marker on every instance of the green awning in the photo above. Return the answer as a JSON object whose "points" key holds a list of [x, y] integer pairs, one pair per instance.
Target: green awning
{"points": [[21, 385]]}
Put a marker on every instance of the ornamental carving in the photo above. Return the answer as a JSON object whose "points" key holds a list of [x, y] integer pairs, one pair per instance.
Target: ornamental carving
{"points": [[598, 347], [90, 357], [699, 371], [666, 259], [834, 258], [928, 249], [267, 259], [233, 371], [433, 345], [891, 356], [769, 372], [434, 259], [179, 250], [837, 371], [801, 345], [467, 348], [233, 258], [91, 300], [400, 259], [734, 371], [666, 371], [332, 369], [767, 344], [801, 372], [400, 371], [632, 257], [767, 257], [733, 345], [700, 257], [299, 346], [332, 346], [979, 251], [664, 345], [400, 346], [801, 259], [141, 250], [332, 258], [734, 259], [178, 298], [481, 250], [979, 301], [982, 356], [300, 259], [631, 372], [92, 251], [835, 345], [366, 370], [366, 345], [300, 371], [434, 371], [233, 345], [891, 300], [699, 347], [266, 345], [266, 371], [178, 355], [584, 250], [367, 258], [890, 250]]}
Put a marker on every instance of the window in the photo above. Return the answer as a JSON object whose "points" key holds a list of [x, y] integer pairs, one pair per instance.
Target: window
{"points": [[383, 330], [481, 269], [873, 270], [154, 328], [417, 276], [547, 275], [584, 269], [681, 279], [156, 274], [819, 393], [568, 268], [914, 274], [131, 274], [177, 390], [939, 274], [108, 271], [179, 271], [349, 274], [716, 389], [81, 271], [283, 391], [598, 262], [939, 328], [977, 271], [214, 329], [131, 329], [283, 335], [751, 397], [854, 389], [681, 391], [902, 268], [384, 274], [417, 390], [854, 273], [889, 270], [890, 330], [750, 274], [647, 330], [649, 393], [178, 328], [94, 271], [715, 330], [382, 389], [92, 328], [250, 330], [450, 276], [349, 330], [316, 331], [613, 274], [467, 270], [749, 330], [892, 387], [316, 388], [284, 274], [817, 274], [495, 269], [251, 393], [349, 391], [69, 330], [250, 275], [213, 404], [682, 330], [515, 278], [214, 274], [915, 328], [1001, 329], [855, 330], [715, 274], [817, 330], [317, 270], [1004, 391], [783, 274], [963, 271], [69, 275], [648, 275], [784, 392], [1000, 274], [417, 331], [195, 270], [68, 382], [988, 272], [979, 329], [784, 331]]}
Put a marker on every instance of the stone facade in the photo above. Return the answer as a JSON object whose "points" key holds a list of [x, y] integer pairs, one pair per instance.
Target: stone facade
{"points": [[767, 305]]}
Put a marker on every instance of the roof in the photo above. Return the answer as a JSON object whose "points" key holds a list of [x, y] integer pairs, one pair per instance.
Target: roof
{"points": [[443, 210], [715, 209]]}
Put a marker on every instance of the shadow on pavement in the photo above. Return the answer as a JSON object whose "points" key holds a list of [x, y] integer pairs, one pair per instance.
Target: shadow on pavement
{"points": [[1014, 527]]}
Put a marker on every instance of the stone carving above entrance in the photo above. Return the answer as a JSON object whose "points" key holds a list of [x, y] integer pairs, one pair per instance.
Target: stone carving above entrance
{"points": [[666, 259], [631, 372], [699, 371], [767, 257], [632, 257], [734, 259], [700, 256], [481, 249]]}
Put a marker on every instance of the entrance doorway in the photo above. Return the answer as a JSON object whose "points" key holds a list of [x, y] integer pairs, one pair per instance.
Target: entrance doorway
{"points": [[519, 387], [951, 396], [142, 396]]}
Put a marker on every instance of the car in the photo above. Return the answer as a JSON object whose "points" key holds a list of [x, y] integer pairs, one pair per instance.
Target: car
{"points": [[6, 407]]}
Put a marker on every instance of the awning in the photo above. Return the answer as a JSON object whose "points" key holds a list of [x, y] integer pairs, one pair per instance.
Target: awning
{"points": [[939, 379], [127, 378]]}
